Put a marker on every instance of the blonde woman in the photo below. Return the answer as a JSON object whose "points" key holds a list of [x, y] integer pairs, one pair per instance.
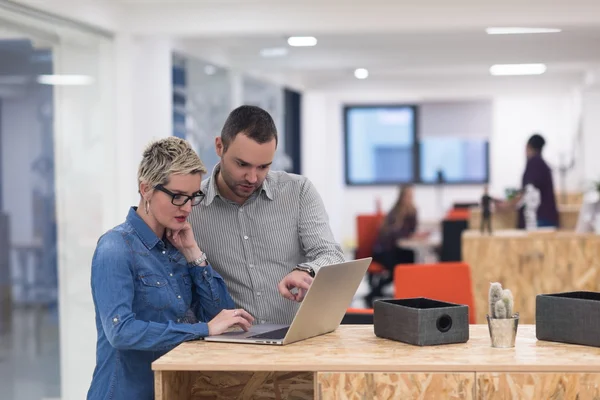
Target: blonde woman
{"points": [[153, 288]]}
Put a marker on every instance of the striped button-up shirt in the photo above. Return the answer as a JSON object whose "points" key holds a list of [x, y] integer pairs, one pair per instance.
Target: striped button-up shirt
{"points": [[254, 245]]}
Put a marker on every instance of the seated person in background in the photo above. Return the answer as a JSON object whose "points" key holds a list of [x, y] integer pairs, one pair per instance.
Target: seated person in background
{"points": [[400, 223], [151, 285]]}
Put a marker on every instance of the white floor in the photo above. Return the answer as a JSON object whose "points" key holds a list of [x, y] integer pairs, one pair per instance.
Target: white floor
{"points": [[29, 356]]}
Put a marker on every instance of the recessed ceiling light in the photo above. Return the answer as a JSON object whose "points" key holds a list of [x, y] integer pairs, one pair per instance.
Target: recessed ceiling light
{"points": [[210, 69], [517, 69], [67, 80], [361, 73], [517, 30], [302, 41], [274, 52]]}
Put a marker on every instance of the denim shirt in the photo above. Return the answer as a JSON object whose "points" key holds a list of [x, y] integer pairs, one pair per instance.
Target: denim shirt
{"points": [[147, 301]]}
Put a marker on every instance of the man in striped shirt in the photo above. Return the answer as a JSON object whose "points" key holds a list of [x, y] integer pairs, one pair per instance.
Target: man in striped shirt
{"points": [[266, 232]]}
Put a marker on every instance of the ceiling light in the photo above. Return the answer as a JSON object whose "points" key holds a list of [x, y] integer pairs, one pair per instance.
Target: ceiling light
{"points": [[67, 80], [210, 69], [361, 73], [302, 41], [516, 30], [518, 69], [274, 52]]}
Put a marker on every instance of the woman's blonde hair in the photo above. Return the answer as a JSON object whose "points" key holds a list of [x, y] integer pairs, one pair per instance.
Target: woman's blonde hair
{"points": [[165, 157]]}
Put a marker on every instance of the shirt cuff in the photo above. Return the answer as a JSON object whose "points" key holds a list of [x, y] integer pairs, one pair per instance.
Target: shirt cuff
{"points": [[206, 273], [201, 329]]}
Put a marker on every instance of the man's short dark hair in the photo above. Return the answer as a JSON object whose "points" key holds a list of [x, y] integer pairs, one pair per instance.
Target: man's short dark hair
{"points": [[252, 121], [536, 142]]}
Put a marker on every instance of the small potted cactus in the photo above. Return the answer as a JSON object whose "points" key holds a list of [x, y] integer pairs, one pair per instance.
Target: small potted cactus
{"points": [[502, 321]]}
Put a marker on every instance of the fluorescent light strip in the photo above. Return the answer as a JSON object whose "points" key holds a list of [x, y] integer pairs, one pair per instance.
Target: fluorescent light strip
{"points": [[302, 41], [361, 73], [517, 31], [517, 69], [67, 80]]}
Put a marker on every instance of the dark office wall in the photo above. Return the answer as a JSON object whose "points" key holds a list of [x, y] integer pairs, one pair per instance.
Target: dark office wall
{"points": [[292, 117]]}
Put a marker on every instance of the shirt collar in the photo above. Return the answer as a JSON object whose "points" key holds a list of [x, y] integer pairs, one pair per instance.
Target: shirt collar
{"points": [[146, 235], [211, 189]]}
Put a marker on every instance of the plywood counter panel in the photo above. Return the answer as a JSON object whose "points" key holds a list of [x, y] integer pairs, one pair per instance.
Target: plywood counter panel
{"points": [[530, 264], [353, 363]]}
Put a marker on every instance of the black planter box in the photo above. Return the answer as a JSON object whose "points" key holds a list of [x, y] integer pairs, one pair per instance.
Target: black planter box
{"points": [[421, 321], [572, 317]]}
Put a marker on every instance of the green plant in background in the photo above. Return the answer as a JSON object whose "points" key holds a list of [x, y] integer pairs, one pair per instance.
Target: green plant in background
{"points": [[510, 193], [501, 302], [596, 185]]}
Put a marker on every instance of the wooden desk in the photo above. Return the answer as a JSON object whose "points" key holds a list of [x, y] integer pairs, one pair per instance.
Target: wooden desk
{"points": [[530, 264], [507, 219], [352, 363]]}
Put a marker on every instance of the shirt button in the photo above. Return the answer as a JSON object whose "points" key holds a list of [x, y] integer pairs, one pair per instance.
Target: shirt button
{"points": [[164, 252], [251, 265], [115, 320], [178, 319], [241, 210], [158, 283], [178, 297], [171, 274], [258, 293], [262, 321], [245, 237]]}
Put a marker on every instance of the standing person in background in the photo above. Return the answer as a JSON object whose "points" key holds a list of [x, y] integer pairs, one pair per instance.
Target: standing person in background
{"points": [[538, 173], [400, 223]]}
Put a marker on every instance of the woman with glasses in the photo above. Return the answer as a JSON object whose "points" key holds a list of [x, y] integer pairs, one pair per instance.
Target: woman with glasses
{"points": [[153, 287]]}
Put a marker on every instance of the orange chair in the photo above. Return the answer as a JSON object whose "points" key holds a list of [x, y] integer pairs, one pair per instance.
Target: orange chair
{"points": [[355, 316], [367, 228], [446, 281], [458, 214]]}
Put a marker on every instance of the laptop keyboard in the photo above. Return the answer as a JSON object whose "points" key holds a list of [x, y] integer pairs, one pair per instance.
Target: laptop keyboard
{"points": [[276, 334]]}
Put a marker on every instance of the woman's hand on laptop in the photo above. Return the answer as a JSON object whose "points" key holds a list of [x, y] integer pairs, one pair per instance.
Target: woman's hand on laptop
{"points": [[295, 280], [228, 318]]}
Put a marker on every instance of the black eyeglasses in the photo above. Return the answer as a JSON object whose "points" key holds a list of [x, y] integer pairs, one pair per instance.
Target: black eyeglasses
{"points": [[178, 199]]}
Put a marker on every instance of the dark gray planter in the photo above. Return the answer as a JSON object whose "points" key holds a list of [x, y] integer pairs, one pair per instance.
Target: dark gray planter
{"points": [[421, 321], [572, 317]]}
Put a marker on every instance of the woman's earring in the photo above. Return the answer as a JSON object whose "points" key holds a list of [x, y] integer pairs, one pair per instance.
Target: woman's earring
{"points": [[147, 207]]}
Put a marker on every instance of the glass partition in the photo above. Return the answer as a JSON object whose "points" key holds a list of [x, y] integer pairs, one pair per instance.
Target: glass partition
{"points": [[56, 131]]}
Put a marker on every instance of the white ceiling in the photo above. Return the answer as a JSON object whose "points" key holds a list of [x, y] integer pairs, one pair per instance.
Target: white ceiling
{"points": [[402, 40], [404, 56]]}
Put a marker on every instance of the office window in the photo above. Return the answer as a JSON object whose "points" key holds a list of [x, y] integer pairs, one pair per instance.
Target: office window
{"points": [[380, 144], [458, 159], [454, 141]]}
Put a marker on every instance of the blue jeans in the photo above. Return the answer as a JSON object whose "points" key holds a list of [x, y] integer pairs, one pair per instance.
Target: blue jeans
{"points": [[544, 223]]}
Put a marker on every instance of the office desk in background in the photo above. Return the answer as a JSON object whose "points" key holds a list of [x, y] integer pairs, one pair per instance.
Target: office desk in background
{"points": [[424, 247], [507, 219], [530, 264], [353, 363]]}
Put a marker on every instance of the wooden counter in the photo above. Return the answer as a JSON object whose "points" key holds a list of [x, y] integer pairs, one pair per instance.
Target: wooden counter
{"points": [[507, 219], [530, 264], [352, 363]]}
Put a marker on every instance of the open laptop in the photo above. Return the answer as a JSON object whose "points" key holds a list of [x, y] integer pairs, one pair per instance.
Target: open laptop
{"points": [[321, 311]]}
